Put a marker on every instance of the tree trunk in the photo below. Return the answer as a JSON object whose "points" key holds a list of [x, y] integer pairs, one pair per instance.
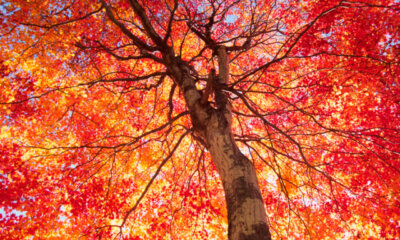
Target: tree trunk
{"points": [[246, 213]]}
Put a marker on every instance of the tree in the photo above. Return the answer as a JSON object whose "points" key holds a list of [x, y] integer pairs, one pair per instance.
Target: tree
{"points": [[144, 119]]}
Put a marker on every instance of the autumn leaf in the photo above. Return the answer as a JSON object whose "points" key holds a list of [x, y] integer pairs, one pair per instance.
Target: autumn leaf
{"points": [[140, 119]]}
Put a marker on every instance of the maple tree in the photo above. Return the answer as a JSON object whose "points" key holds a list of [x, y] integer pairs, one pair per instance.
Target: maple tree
{"points": [[145, 119]]}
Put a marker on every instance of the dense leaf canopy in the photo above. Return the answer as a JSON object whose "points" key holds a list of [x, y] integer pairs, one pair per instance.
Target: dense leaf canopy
{"points": [[96, 139]]}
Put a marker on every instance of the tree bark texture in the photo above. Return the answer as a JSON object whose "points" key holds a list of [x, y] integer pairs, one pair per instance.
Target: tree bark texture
{"points": [[246, 212]]}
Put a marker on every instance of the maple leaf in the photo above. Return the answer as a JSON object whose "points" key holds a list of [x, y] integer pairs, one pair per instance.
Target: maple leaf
{"points": [[142, 119]]}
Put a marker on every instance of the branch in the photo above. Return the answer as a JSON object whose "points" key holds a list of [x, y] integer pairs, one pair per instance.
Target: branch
{"points": [[223, 64], [296, 40], [143, 53], [139, 43], [62, 23], [169, 28], [146, 23], [153, 178]]}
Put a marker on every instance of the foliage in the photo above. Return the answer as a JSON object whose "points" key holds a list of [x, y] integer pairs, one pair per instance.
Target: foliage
{"points": [[96, 139]]}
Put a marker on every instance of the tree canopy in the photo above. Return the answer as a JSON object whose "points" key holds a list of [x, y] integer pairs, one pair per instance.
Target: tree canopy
{"points": [[101, 123]]}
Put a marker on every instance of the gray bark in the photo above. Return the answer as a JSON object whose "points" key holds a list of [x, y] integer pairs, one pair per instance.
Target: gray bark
{"points": [[246, 212]]}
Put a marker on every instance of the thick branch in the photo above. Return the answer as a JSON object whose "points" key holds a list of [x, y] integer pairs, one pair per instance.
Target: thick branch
{"points": [[139, 43], [146, 23], [223, 64]]}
